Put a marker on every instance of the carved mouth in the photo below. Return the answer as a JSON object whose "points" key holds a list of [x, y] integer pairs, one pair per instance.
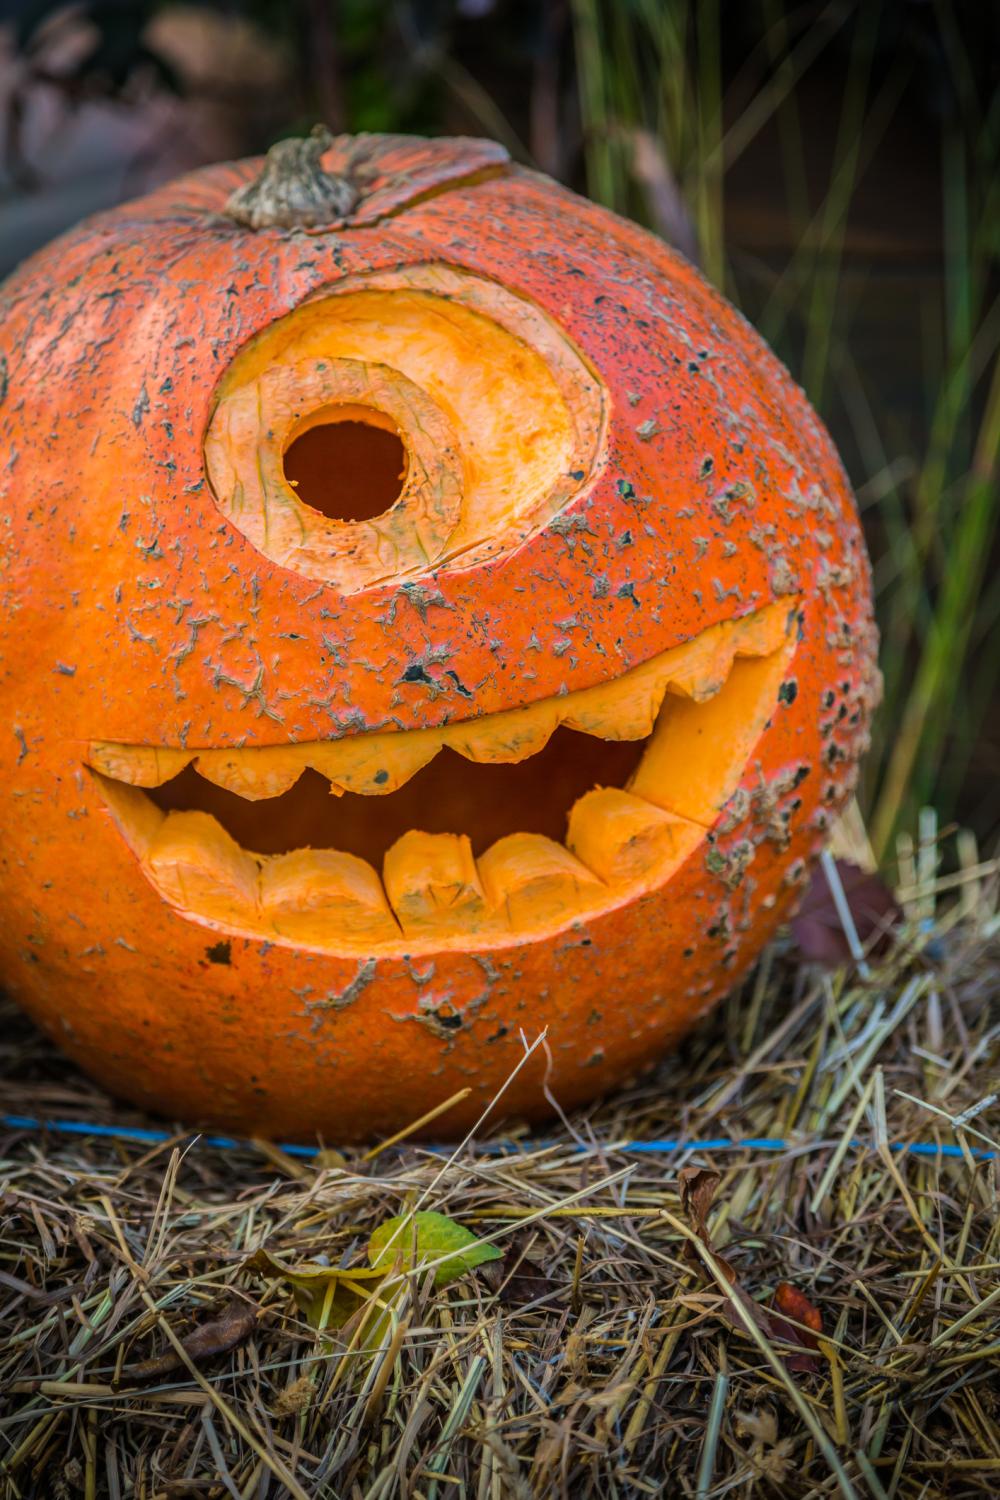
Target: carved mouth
{"points": [[487, 832]]}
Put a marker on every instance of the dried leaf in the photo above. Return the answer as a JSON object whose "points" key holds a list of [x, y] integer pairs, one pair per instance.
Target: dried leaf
{"points": [[516, 1278], [493, 1274], [697, 1187], [416, 1239], [817, 929], [526, 1283], [792, 1303], [795, 1304], [327, 1296], [234, 1324]]}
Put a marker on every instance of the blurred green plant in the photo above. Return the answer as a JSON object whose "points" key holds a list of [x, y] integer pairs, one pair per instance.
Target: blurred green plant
{"points": [[663, 123]]}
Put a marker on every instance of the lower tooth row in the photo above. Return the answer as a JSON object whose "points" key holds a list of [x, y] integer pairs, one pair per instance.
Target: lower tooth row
{"points": [[432, 885]]}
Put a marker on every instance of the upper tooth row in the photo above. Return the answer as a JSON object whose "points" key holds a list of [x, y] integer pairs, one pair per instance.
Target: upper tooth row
{"points": [[433, 892], [624, 709]]}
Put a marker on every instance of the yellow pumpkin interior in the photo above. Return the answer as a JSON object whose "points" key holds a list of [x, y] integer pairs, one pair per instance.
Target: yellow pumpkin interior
{"points": [[485, 832], [499, 419]]}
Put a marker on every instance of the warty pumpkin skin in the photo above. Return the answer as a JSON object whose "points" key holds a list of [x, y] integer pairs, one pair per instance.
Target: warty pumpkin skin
{"points": [[614, 496]]}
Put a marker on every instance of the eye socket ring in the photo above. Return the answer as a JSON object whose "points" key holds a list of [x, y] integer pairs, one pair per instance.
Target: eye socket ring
{"points": [[254, 426], [503, 419]]}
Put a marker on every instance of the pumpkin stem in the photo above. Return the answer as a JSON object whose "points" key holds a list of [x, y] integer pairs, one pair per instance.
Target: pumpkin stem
{"points": [[293, 191]]}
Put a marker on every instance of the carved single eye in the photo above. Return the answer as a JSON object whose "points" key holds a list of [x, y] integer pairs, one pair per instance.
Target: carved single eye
{"points": [[402, 422]]}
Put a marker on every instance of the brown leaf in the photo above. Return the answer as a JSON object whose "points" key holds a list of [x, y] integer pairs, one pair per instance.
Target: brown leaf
{"points": [[234, 1324], [793, 1304], [697, 1186], [817, 929], [773, 1328], [492, 1274], [757, 1314], [527, 1283], [517, 1279], [697, 1190]]}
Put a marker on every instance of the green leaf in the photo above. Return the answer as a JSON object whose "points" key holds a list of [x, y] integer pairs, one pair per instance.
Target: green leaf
{"points": [[326, 1296], [416, 1239]]}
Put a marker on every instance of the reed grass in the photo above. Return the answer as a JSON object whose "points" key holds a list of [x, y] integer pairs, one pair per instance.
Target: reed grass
{"points": [[931, 512]]}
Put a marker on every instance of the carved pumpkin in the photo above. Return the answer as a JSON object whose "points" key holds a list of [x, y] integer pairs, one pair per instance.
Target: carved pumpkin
{"points": [[429, 614]]}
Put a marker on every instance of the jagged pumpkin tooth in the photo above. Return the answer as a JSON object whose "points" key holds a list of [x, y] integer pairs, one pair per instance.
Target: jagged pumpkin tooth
{"points": [[254, 773], [137, 816], [199, 868], [506, 737], [433, 885], [536, 883], [626, 840], [699, 751], [625, 709], [373, 764], [139, 765], [766, 630], [699, 668], [321, 896]]}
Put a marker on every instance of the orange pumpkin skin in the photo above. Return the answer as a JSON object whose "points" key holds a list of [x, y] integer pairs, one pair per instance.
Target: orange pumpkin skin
{"points": [[133, 611]]}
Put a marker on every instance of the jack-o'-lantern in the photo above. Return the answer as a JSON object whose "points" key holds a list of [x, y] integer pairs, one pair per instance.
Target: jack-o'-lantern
{"points": [[429, 615]]}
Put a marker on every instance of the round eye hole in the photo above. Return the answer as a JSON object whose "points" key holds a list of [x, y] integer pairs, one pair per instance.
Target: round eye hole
{"points": [[350, 464], [404, 422]]}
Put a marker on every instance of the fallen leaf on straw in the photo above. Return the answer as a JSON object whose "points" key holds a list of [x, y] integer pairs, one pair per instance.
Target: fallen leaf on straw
{"points": [[326, 1296], [817, 929], [697, 1187], [790, 1303], [516, 1278], [234, 1324], [419, 1239]]}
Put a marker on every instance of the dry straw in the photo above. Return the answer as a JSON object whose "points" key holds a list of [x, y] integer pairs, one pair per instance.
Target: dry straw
{"points": [[614, 1353]]}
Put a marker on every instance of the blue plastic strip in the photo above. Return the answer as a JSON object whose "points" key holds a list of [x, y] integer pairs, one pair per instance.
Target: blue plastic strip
{"points": [[495, 1148]]}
